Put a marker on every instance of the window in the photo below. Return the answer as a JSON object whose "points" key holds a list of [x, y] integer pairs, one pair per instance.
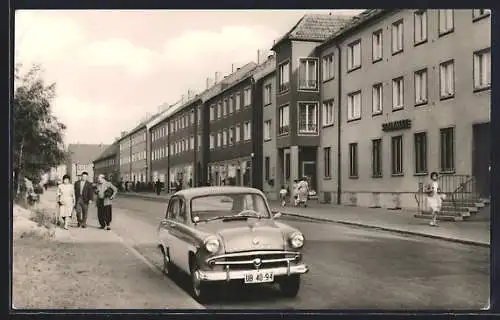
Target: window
{"points": [[377, 158], [284, 120], [247, 130], [267, 94], [211, 141], [477, 14], [420, 140], [219, 110], [353, 160], [237, 133], [421, 87], [328, 67], [191, 143], [308, 117], [447, 150], [397, 37], [267, 167], [327, 153], [354, 55], [219, 139], [377, 99], [267, 130], [445, 21], [224, 137], [354, 106], [328, 113], [420, 25], [237, 102], [231, 104], [231, 136], [191, 117], [284, 77], [377, 46], [446, 79], [397, 93], [224, 108], [397, 155], [247, 97], [308, 74], [482, 69], [199, 115], [198, 146]]}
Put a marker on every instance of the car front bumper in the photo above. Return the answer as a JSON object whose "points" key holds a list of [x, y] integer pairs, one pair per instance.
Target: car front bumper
{"points": [[228, 274]]}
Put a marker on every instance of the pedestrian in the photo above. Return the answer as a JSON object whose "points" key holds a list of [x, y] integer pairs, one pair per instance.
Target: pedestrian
{"points": [[434, 197], [65, 200], [303, 194], [295, 192], [106, 191], [283, 195], [84, 195], [158, 186]]}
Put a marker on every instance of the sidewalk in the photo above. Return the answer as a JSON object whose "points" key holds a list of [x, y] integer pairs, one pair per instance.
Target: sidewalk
{"points": [[400, 221]]}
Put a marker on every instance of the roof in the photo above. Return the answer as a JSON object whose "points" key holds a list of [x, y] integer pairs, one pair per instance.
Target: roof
{"points": [[204, 191], [315, 27], [85, 153], [141, 125], [231, 80], [110, 151], [355, 22], [266, 68], [161, 116]]}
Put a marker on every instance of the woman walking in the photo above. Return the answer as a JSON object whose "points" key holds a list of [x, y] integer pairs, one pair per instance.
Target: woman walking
{"points": [[65, 200], [303, 192], [105, 191], [434, 197]]}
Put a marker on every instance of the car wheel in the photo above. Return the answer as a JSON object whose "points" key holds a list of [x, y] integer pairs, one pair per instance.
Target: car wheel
{"points": [[168, 267], [290, 286], [199, 289]]}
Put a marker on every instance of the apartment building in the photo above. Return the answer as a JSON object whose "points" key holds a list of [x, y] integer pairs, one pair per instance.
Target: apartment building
{"points": [[107, 163], [409, 92], [230, 126], [298, 96], [266, 78], [80, 158], [125, 156]]}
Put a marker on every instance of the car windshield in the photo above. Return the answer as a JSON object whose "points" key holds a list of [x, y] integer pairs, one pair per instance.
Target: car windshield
{"points": [[229, 206]]}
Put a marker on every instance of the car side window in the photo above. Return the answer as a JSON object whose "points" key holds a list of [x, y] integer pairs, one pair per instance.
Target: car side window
{"points": [[182, 211], [173, 209]]}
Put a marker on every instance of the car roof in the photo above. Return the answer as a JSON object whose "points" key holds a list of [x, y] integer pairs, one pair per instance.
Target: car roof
{"points": [[202, 191]]}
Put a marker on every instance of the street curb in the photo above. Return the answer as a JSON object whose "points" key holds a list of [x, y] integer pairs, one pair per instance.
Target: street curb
{"points": [[462, 241], [143, 196]]}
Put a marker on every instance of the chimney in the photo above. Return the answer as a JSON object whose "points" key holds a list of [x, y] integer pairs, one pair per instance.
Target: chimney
{"points": [[183, 98], [232, 67], [217, 77], [258, 56], [190, 94]]}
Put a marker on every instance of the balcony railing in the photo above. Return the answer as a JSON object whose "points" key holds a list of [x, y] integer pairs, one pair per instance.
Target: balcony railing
{"points": [[310, 128], [283, 130], [308, 84], [284, 87]]}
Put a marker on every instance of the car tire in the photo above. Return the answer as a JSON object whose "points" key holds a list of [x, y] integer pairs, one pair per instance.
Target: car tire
{"points": [[199, 289], [290, 286], [168, 267]]}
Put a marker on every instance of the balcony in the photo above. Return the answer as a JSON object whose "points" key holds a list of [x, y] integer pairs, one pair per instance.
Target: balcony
{"points": [[283, 130], [308, 128], [284, 87], [308, 84]]}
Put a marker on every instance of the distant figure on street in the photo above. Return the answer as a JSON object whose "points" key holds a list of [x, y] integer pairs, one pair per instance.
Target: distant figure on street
{"points": [[303, 188], [66, 200], [158, 186], [84, 195], [295, 192], [283, 195], [106, 191], [434, 197]]}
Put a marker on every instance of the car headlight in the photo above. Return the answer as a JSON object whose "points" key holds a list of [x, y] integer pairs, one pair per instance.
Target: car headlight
{"points": [[212, 244], [296, 240]]}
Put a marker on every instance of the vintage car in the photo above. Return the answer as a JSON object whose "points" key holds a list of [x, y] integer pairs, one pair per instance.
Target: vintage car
{"points": [[226, 234]]}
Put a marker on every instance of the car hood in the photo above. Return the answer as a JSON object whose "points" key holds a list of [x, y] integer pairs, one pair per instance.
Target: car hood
{"points": [[251, 234]]}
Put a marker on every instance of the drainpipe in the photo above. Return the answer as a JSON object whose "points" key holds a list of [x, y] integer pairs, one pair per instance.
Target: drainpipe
{"points": [[339, 122]]}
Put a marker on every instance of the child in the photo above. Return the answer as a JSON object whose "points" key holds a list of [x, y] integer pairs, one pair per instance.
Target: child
{"points": [[283, 195], [434, 197]]}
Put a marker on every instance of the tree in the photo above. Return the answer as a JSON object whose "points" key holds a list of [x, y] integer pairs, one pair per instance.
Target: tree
{"points": [[38, 135]]}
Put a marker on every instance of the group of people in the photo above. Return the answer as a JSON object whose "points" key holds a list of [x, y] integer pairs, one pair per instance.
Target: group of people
{"points": [[77, 197], [299, 194]]}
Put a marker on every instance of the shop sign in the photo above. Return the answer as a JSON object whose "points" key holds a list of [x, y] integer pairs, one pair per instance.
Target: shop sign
{"points": [[396, 125]]}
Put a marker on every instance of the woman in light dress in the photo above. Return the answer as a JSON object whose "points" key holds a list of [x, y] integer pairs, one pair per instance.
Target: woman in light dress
{"points": [[303, 189], [434, 198], [66, 200]]}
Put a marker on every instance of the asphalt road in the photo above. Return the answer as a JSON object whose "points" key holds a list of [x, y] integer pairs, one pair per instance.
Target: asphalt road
{"points": [[351, 268]]}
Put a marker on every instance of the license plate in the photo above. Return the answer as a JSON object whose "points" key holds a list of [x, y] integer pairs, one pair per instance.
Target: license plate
{"points": [[259, 277]]}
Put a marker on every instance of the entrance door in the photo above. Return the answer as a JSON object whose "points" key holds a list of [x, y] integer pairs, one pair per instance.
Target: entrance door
{"points": [[309, 170], [481, 157], [286, 166]]}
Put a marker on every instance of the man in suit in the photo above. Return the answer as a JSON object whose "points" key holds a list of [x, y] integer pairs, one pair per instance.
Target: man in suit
{"points": [[84, 195]]}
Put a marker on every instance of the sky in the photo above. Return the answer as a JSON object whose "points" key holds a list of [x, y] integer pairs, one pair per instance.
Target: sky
{"points": [[112, 68]]}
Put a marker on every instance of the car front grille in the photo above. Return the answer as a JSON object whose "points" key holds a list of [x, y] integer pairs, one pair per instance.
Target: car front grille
{"points": [[255, 259]]}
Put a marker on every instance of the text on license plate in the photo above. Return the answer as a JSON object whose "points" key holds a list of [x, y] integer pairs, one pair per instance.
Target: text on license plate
{"points": [[259, 277]]}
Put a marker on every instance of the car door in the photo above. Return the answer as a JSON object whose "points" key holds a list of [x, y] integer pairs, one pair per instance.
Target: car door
{"points": [[180, 235], [164, 230]]}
